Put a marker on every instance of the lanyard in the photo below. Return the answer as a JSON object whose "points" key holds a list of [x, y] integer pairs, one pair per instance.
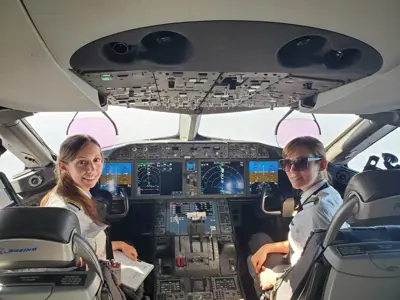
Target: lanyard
{"points": [[300, 207]]}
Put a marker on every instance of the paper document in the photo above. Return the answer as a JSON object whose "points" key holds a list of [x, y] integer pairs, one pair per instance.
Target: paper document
{"points": [[133, 273]]}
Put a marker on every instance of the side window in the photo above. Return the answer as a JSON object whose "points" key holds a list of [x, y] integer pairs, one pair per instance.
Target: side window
{"points": [[5, 198], [10, 164], [388, 144]]}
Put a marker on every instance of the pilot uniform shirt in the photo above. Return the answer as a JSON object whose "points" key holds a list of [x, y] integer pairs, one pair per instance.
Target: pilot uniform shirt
{"points": [[92, 232], [315, 215]]}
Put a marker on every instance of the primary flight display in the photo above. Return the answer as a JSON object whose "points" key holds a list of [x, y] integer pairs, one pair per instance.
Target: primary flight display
{"points": [[116, 175], [261, 173]]}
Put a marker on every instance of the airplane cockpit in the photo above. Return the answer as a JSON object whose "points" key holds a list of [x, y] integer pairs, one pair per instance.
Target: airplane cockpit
{"points": [[190, 201]]}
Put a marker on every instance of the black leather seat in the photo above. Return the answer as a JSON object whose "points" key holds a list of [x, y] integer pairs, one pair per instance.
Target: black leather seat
{"points": [[41, 223]]}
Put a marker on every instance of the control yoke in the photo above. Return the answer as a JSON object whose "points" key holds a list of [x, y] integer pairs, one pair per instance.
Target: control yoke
{"points": [[114, 217], [265, 195], [276, 207], [105, 199]]}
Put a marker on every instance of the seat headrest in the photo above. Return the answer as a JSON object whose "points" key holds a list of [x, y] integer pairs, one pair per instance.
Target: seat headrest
{"points": [[374, 185], [378, 193], [43, 223]]}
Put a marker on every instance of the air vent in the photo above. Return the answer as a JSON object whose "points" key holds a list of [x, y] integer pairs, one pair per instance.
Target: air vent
{"points": [[335, 59], [166, 47], [29, 160], [311, 50], [342, 177], [35, 181], [119, 52], [301, 52]]}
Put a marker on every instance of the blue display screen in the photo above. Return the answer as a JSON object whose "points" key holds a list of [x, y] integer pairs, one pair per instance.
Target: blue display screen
{"points": [[159, 178], [223, 178], [260, 173], [116, 175]]}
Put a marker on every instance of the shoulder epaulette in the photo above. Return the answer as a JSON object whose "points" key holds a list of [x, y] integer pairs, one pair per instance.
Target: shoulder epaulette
{"points": [[74, 203]]}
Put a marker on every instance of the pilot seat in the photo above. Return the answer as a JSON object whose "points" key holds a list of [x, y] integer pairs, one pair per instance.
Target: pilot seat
{"points": [[39, 247], [357, 262]]}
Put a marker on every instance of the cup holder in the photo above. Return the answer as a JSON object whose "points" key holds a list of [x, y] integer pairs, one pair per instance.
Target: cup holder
{"points": [[119, 52], [340, 59], [166, 47], [301, 52], [311, 50]]}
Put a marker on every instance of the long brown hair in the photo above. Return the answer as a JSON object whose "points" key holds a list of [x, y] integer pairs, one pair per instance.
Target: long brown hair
{"points": [[66, 187], [313, 145]]}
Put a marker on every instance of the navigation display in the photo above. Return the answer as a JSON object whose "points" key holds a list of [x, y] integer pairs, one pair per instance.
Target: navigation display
{"points": [[223, 178], [260, 173], [116, 175], [160, 178]]}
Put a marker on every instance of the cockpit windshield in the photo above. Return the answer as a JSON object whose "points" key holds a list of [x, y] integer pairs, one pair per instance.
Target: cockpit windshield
{"points": [[133, 124], [136, 124]]}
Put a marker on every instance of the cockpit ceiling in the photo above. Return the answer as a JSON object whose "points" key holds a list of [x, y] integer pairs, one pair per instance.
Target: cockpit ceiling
{"points": [[199, 57]]}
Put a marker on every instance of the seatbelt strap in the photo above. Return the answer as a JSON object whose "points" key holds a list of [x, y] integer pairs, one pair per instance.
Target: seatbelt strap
{"points": [[109, 251]]}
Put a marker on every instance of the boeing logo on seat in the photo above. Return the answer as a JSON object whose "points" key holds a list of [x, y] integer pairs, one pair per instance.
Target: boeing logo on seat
{"points": [[16, 250]]}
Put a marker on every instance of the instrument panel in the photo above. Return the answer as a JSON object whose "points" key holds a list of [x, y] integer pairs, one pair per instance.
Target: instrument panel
{"points": [[198, 149], [186, 170]]}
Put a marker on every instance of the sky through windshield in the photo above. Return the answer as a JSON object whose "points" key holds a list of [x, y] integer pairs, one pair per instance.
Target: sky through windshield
{"points": [[259, 125], [135, 124]]}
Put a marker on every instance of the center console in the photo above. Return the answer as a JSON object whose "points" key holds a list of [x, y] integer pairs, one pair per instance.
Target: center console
{"points": [[196, 255]]}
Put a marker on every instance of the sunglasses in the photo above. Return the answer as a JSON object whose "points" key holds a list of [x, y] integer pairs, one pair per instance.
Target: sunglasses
{"points": [[299, 164]]}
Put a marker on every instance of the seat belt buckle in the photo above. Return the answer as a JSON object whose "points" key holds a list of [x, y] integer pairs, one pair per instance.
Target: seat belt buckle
{"points": [[115, 269]]}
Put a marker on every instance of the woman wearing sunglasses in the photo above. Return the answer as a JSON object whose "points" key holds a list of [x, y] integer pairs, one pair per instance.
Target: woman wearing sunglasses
{"points": [[305, 164]]}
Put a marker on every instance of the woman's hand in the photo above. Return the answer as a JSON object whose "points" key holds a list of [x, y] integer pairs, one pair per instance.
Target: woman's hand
{"points": [[130, 251], [125, 248], [80, 263], [267, 279], [259, 258]]}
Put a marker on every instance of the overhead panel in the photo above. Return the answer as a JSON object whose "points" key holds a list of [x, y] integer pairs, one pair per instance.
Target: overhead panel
{"points": [[222, 66], [202, 92]]}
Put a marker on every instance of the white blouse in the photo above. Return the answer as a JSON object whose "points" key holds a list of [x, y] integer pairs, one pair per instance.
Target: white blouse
{"points": [[92, 232]]}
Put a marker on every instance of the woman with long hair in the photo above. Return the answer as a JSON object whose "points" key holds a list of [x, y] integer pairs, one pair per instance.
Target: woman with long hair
{"points": [[78, 169]]}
